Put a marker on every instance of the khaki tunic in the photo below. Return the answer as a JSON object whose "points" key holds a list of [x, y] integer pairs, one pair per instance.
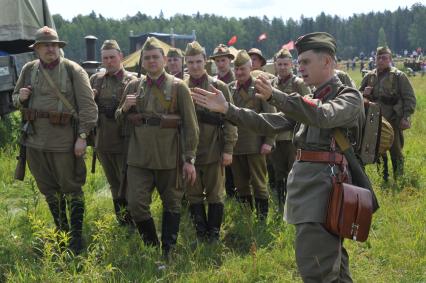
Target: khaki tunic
{"points": [[74, 84], [309, 183], [345, 78], [153, 157], [249, 166], [214, 140], [109, 134], [50, 148], [393, 91], [228, 78]]}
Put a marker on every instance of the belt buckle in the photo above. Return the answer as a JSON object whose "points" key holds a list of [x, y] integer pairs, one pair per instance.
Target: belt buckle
{"points": [[145, 121], [298, 154]]}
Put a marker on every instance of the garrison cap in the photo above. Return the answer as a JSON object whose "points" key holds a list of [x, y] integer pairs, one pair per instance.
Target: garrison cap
{"points": [[383, 50], [175, 52], [255, 51], [242, 58], [152, 43], [110, 44], [222, 50], [283, 53], [194, 48], [316, 40], [47, 35]]}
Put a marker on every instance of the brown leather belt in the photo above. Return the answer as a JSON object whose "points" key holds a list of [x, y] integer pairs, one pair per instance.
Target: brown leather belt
{"points": [[321, 156]]}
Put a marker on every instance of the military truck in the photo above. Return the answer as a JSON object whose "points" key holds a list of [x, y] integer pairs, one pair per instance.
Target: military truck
{"points": [[19, 20]]}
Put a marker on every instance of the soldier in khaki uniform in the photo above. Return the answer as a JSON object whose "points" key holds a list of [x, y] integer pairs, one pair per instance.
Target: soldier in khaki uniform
{"points": [[257, 59], [214, 152], [285, 152], [222, 58], [108, 87], [160, 109], [249, 164], [320, 255], [57, 129], [175, 63], [391, 88]]}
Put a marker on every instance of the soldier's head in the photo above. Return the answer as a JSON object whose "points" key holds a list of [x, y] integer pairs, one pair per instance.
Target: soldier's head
{"points": [[383, 58], [283, 63], [47, 44], [174, 61], [153, 58], [222, 58], [257, 59], [242, 66], [195, 58], [111, 56], [316, 57]]}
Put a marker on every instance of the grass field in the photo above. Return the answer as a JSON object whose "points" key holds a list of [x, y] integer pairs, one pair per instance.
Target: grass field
{"points": [[249, 251]]}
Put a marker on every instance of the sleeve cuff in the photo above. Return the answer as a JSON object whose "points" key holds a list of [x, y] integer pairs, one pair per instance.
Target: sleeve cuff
{"points": [[278, 99]]}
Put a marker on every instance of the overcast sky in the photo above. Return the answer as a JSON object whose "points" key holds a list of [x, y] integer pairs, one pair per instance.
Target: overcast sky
{"points": [[231, 8]]}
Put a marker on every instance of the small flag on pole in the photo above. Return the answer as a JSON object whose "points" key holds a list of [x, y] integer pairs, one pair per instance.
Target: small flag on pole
{"points": [[289, 45], [232, 41], [263, 36]]}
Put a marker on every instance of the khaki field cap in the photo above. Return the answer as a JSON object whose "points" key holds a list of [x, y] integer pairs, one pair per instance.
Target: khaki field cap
{"points": [[242, 58], [316, 40], [194, 48], [47, 35], [255, 51], [383, 50], [222, 50], [283, 53], [175, 52], [110, 44], [152, 43]]}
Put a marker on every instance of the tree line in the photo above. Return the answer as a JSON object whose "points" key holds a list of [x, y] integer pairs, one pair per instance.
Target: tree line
{"points": [[403, 29]]}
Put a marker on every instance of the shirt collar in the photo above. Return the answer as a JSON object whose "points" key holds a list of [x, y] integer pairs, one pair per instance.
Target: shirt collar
{"points": [[158, 82], [51, 65], [198, 82], [245, 85]]}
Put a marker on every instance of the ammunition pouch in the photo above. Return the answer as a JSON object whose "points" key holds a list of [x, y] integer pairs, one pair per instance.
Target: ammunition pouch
{"points": [[210, 118], [55, 118], [168, 121]]}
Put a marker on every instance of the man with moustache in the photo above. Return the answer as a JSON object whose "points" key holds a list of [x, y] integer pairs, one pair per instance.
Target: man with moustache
{"points": [[175, 63], [56, 99]]}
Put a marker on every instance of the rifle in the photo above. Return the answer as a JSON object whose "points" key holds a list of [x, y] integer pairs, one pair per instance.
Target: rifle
{"points": [[26, 128]]}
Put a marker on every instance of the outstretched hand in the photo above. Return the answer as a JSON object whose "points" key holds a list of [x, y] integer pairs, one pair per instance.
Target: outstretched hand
{"points": [[263, 87], [214, 100]]}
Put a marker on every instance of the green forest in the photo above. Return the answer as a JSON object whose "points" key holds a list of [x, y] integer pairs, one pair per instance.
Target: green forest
{"points": [[401, 29]]}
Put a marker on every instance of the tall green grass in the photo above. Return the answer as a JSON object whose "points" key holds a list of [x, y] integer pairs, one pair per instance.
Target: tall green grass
{"points": [[249, 251]]}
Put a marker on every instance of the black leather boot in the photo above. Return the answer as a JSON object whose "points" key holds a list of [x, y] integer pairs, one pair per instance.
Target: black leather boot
{"points": [[76, 205], [169, 233], [215, 217], [398, 167], [199, 218], [229, 182], [121, 212], [148, 232], [281, 189], [58, 207], [262, 207]]}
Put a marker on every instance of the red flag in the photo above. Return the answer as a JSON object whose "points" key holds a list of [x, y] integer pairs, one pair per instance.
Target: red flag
{"points": [[232, 40], [289, 45], [263, 36]]}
